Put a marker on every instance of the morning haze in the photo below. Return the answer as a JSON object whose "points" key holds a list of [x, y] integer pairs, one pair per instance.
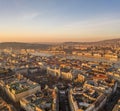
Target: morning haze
{"points": [[54, 20]]}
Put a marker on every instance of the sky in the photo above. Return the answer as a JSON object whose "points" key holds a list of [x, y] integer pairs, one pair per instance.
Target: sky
{"points": [[59, 20]]}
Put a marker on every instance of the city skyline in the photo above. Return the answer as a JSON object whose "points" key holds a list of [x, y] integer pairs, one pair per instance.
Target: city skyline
{"points": [[59, 21]]}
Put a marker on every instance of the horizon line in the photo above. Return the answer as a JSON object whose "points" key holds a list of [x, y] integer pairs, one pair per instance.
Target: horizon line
{"points": [[60, 41]]}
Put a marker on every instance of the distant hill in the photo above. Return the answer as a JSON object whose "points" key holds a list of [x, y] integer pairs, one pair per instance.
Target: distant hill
{"points": [[109, 41], [19, 45]]}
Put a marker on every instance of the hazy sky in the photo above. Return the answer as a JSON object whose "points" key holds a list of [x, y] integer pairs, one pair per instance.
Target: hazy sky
{"points": [[59, 20]]}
